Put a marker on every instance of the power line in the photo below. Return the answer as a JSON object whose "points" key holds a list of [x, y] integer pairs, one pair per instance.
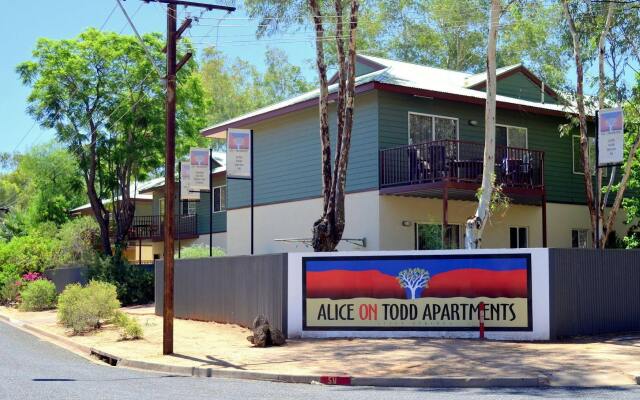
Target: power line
{"points": [[108, 18]]}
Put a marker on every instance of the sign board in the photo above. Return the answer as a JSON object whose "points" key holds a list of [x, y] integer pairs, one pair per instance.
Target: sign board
{"points": [[417, 292], [199, 160], [239, 148], [610, 137], [185, 183]]}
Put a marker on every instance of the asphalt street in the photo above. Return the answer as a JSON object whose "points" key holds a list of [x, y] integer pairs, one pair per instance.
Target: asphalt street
{"points": [[34, 369]]}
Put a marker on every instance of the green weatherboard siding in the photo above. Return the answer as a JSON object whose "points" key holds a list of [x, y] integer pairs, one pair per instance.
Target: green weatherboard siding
{"points": [[561, 184], [519, 86], [287, 156]]}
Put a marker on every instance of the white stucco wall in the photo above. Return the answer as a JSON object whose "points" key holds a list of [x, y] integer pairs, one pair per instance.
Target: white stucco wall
{"points": [[539, 297], [295, 220]]}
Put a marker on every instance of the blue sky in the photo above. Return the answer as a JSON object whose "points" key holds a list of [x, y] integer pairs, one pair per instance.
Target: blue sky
{"points": [[23, 22]]}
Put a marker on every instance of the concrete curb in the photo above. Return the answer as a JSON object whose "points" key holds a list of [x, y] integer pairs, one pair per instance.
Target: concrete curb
{"points": [[429, 382]]}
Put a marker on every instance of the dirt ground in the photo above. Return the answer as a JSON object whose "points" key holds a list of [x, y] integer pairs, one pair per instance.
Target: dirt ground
{"points": [[580, 362]]}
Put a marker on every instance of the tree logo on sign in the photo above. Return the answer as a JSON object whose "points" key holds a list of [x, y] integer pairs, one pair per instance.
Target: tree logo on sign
{"points": [[413, 280]]}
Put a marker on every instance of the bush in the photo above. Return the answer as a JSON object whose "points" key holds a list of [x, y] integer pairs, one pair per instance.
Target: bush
{"points": [[37, 251], [38, 295], [134, 284], [85, 308], [79, 240], [131, 329], [200, 251]]}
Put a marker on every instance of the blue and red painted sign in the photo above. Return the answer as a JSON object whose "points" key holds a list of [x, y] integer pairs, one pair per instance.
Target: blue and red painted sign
{"points": [[440, 292]]}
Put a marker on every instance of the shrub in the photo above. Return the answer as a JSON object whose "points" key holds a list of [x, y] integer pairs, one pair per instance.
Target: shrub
{"points": [[200, 251], [134, 284], [131, 329], [37, 251], [79, 240], [85, 308], [38, 295]]}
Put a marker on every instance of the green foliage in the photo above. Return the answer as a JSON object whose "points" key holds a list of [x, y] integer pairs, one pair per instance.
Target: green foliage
{"points": [[200, 251], [44, 184], [448, 34], [101, 94], [134, 284], [499, 202], [38, 295], [631, 202], [131, 329], [85, 308], [236, 87], [38, 251], [79, 240], [9, 284]]}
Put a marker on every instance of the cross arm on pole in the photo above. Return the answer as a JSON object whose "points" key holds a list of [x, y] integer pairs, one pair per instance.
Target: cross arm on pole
{"points": [[193, 4]]}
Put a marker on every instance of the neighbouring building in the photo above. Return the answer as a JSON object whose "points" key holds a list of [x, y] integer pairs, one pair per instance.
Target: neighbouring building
{"points": [[415, 164], [192, 221]]}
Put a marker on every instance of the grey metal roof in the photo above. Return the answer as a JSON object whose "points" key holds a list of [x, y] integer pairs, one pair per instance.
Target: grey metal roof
{"points": [[408, 75]]}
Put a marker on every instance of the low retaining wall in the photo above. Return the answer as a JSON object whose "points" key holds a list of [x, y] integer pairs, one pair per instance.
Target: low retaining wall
{"points": [[62, 277], [228, 289], [529, 294]]}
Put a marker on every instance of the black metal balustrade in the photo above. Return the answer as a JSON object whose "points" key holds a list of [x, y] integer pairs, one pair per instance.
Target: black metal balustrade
{"points": [[461, 163], [152, 227]]}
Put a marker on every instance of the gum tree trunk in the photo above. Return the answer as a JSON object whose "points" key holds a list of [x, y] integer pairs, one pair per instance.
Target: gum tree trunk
{"points": [[476, 224]]}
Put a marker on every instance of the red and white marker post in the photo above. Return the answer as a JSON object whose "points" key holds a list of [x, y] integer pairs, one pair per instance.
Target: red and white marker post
{"points": [[481, 318]]}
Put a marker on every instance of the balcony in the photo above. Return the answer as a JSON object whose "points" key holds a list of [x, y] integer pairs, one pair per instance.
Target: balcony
{"points": [[455, 168], [152, 227]]}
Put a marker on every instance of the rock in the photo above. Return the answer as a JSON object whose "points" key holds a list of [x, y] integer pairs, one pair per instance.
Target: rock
{"points": [[277, 337], [261, 337], [258, 321]]}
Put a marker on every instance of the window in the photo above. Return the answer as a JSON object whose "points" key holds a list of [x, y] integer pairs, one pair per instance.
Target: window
{"points": [[425, 128], [512, 136], [189, 207], [519, 237], [429, 236], [219, 198], [577, 156], [161, 206], [579, 238]]}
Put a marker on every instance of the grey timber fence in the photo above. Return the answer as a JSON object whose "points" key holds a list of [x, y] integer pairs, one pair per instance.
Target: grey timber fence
{"points": [[593, 292], [228, 289]]}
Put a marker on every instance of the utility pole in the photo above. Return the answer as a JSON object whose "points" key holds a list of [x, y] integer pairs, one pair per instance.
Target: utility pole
{"points": [[173, 35]]}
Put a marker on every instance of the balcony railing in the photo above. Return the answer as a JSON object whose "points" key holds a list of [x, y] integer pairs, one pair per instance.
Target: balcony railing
{"points": [[152, 227], [455, 161]]}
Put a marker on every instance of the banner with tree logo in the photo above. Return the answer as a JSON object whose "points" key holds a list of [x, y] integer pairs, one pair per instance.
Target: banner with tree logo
{"points": [[417, 292]]}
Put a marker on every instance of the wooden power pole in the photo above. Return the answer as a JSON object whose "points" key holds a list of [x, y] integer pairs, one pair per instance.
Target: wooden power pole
{"points": [[173, 35]]}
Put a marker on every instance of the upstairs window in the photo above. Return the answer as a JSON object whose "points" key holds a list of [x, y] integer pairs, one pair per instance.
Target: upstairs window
{"points": [[425, 128], [219, 198], [511, 136], [577, 155], [189, 207]]}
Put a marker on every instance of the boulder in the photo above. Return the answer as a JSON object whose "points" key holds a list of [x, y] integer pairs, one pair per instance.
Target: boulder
{"points": [[264, 334]]}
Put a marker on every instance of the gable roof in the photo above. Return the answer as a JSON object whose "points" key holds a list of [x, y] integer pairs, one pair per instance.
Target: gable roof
{"points": [[479, 81], [135, 191], [399, 77]]}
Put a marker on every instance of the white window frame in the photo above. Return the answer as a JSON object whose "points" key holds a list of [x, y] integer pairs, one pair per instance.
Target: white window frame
{"points": [[416, 230], [573, 161], [526, 135], [221, 201], [433, 124], [526, 228], [586, 238], [191, 206]]}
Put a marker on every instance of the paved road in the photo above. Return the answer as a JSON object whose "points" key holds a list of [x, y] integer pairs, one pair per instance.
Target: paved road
{"points": [[34, 369]]}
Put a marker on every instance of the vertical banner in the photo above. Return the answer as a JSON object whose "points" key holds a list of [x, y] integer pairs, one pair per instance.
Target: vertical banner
{"points": [[439, 292], [185, 184], [239, 153], [610, 137], [200, 176]]}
